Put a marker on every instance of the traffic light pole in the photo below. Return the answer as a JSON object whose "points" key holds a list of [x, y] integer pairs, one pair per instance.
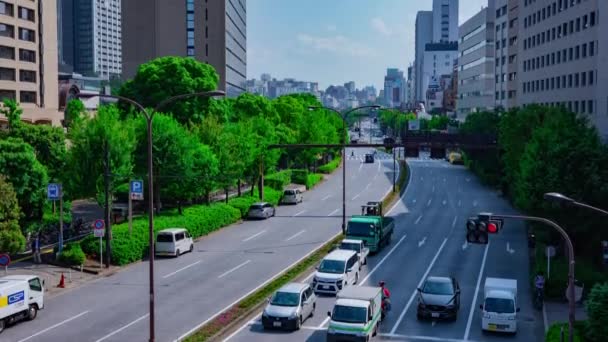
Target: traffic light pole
{"points": [[562, 231]]}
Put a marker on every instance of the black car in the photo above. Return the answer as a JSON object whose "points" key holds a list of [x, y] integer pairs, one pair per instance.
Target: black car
{"points": [[369, 158], [439, 298]]}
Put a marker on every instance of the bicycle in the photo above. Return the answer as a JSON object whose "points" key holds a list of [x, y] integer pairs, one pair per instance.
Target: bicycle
{"points": [[539, 299]]}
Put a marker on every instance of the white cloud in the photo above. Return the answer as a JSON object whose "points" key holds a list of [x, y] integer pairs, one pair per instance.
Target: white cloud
{"points": [[380, 26], [338, 44], [331, 28]]}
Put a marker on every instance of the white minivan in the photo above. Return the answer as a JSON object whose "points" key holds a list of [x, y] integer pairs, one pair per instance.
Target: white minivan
{"points": [[338, 269], [173, 242]]}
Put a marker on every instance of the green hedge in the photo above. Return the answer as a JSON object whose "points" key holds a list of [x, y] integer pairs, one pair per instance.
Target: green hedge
{"points": [[199, 220], [242, 203], [313, 179], [299, 176], [331, 166], [72, 255], [554, 332], [278, 180]]}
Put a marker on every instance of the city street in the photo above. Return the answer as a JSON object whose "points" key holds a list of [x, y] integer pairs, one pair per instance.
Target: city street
{"points": [[225, 267], [429, 240]]}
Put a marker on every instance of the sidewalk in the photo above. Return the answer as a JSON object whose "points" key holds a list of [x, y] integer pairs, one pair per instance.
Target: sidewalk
{"points": [[557, 312]]}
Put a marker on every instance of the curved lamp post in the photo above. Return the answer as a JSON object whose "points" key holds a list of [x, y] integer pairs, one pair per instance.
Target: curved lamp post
{"points": [[344, 124], [561, 199], [149, 116]]}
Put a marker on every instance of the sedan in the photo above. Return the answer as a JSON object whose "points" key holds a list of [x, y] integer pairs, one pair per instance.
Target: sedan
{"points": [[439, 298], [262, 210]]}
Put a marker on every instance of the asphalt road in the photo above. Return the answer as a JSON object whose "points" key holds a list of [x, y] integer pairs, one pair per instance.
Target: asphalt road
{"points": [[224, 267], [429, 240]]}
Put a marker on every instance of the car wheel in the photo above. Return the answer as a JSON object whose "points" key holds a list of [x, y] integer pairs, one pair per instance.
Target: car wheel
{"points": [[365, 261], [299, 323], [32, 312], [356, 278], [177, 253], [191, 248], [314, 307], [1, 325]]}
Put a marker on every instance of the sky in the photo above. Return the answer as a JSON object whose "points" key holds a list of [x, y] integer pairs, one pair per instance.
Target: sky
{"points": [[335, 41]]}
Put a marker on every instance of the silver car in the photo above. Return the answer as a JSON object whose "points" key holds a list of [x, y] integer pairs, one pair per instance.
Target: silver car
{"points": [[292, 196], [262, 210], [439, 298], [289, 307]]}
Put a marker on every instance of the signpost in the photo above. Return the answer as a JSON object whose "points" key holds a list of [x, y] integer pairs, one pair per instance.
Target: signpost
{"points": [[5, 260], [99, 230], [136, 193], [550, 252], [413, 125], [54, 193]]}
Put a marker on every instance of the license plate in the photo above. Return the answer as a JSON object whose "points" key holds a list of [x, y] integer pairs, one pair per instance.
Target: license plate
{"points": [[492, 326], [276, 324], [434, 314], [325, 287]]}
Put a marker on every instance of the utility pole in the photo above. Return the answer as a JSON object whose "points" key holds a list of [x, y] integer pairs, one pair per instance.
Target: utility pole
{"points": [[107, 204]]}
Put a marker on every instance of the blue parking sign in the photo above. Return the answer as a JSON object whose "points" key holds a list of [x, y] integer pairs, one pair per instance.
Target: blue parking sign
{"points": [[53, 191], [137, 190]]}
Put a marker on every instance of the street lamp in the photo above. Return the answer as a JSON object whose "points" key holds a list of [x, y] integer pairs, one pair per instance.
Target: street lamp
{"points": [[344, 130], [561, 199], [149, 117]]}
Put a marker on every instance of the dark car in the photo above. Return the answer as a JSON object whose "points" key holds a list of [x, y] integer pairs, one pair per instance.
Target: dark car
{"points": [[439, 298], [369, 158]]}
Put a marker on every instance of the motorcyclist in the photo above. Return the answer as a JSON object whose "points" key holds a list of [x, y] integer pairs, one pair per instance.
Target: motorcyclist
{"points": [[539, 283], [386, 298]]}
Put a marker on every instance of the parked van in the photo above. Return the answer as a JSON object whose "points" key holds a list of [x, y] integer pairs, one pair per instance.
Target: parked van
{"points": [[292, 196], [21, 296], [337, 270], [173, 241], [499, 307]]}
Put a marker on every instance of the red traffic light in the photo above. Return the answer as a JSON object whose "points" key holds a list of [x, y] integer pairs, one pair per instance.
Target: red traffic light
{"points": [[492, 228]]}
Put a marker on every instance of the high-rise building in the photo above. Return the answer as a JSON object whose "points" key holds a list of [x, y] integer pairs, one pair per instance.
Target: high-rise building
{"points": [[438, 61], [28, 58], [562, 56], [476, 63], [507, 27], [424, 35], [394, 88], [213, 32], [445, 20]]}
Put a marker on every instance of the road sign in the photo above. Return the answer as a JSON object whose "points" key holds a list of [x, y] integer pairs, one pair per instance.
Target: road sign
{"points": [[53, 191], [137, 190], [5, 260], [99, 228], [414, 125]]}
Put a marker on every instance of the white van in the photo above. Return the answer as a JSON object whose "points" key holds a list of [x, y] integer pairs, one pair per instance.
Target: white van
{"points": [[21, 296], [173, 241], [337, 270], [356, 314], [500, 305]]}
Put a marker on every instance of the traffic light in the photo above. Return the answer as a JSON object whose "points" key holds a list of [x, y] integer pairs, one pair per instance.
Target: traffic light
{"points": [[477, 231], [493, 225]]}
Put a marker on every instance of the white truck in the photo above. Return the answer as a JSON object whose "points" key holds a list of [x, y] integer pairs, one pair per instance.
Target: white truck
{"points": [[356, 314], [500, 305], [357, 246], [21, 296]]}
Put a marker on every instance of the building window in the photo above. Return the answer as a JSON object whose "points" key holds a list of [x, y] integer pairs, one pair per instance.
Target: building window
{"points": [[592, 49], [7, 74], [583, 106], [7, 52], [576, 80], [7, 31], [27, 34], [591, 80], [27, 14], [590, 106], [577, 52], [592, 19], [27, 55], [27, 96], [7, 94], [584, 79], [27, 76], [584, 50], [6, 8]]}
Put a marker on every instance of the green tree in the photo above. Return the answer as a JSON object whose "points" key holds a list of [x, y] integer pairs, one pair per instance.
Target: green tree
{"points": [[91, 138], [26, 174], [439, 122], [234, 152], [165, 77], [12, 111], [11, 238], [597, 309], [74, 112]]}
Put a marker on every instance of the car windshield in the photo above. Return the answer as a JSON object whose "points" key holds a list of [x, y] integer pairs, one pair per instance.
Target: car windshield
{"points": [[256, 207], [438, 288], [289, 192], [360, 229], [350, 246], [349, 314], [164, 238], [499, 305], [285, 299], [332, 266]]}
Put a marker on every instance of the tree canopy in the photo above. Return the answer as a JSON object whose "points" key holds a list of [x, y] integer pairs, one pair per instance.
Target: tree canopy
{"points": [[11, 238]]}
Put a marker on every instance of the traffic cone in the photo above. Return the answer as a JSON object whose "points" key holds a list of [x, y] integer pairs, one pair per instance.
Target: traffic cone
{"points": [[61, 281]]}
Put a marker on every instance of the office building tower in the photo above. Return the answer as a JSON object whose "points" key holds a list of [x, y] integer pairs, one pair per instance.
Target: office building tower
{"points": [[424, 35], [394, 88], [445, 20], [507, 27]]}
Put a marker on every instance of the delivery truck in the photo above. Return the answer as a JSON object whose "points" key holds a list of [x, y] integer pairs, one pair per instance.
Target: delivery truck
{"points": [[356, 314], [499, 305], [21, 296]]}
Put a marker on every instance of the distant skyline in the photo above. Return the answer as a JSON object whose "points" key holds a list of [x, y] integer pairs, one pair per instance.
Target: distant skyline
{"points": [[333, 42]]}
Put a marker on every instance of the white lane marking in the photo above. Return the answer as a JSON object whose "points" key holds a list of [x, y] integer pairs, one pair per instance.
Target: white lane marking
{"points": [[181, 269], [300, 213], [418, 219], [414, 201], [360, 167], [444, 202], [419, 337], [198, 326], [545, 321], [444, 180], [465, 245], [407, 306], [429, 203], [367, 186], [407, 187], [433, 323], [54, 326], [233, 269], [324, 322], [474, 203], [459, 202], [296, 235], [123, 328], [255, 235], [354, 198], [509, 249], [422, 242], [474, 304], [468, 179], [334, 212], [454, 222], [433, 190], [382, 261], [325, 198], [250, 323]]}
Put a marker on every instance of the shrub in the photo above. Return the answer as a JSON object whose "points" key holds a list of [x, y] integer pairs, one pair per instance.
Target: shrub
{"points": [[597, 309], [242, 203], [331, 166], [278, 180], [72, 255], [313, 179], [554, 332], [299, 176]]}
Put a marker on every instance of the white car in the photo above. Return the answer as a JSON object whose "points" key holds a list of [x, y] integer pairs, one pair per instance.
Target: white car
{"points": [[262, 210], [337, 270], [292, 196], [173, 242], [289, 307]]}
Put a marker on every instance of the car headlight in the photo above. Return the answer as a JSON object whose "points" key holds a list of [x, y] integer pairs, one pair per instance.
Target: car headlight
{"points": [[293, 314], [331, 330], [265, 314]]}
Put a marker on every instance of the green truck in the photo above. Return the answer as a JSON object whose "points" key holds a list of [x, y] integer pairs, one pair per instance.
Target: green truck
{"points": [[371, 226]]}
